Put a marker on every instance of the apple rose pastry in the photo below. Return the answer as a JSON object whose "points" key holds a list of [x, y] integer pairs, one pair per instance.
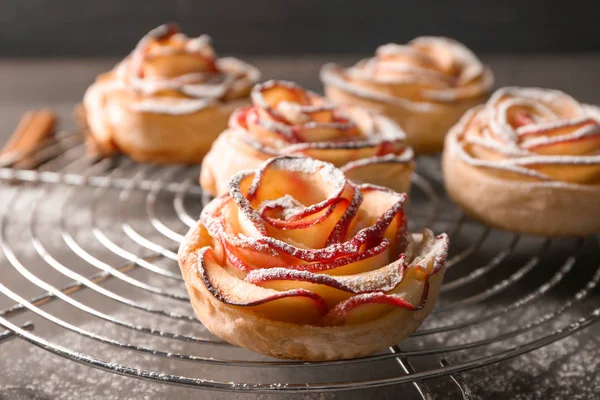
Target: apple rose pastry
{"points": [[425, 86], [168, 100], [285, 119], [528, 161], [298, 262]]}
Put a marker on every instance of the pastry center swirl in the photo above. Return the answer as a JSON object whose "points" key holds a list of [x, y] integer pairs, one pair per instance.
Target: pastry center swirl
{"points": [[535, 134], [286, 119], [297, 233]]}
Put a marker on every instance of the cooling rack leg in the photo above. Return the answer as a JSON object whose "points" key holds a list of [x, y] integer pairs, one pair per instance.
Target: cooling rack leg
{"points": [[409, 369], [7, 335], [462, 385]]}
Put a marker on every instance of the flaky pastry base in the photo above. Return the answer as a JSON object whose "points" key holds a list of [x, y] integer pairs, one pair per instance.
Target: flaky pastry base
{"points": [[538, 208], [153, 137]]}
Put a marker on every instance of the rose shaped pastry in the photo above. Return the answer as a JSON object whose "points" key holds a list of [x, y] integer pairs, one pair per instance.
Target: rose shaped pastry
{"points": [[424, 86], [528, 161], [298, 262], [168, 100], [285, 119]]}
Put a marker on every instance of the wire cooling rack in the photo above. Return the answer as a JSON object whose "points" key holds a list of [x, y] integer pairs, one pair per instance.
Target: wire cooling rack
{"points": [[89, 273]]}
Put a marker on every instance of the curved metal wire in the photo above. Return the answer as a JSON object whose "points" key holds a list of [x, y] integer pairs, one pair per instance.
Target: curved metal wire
{"points": [[124, 198], [112, 246], [484, 269], [592, 318]]}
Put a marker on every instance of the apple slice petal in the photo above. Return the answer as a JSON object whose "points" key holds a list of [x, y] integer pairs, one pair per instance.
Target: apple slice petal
{"points": [[348, 264], [366, 307], [565, 139], [250, 220], [553, 128], [270, 252], [431, 252], [325, 132], [336, 153], [268, 95], [386, 206], [298, 305], [246, 230], [251, 127], [569, 146], [382, 279], [372, 237], [300, 218], [410, 293], [340, 230], [522, 118], [313, 236], [288, 220], [334, 289], [312, 182]]}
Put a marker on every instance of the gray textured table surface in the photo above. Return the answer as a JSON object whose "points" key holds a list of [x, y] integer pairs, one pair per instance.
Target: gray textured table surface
{"points": [[567, 369]]}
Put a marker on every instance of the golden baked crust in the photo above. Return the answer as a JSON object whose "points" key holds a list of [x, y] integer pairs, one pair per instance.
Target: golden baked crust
{"points": [[285, 119], [168, 100], [425, 86], [296, 262], [528, 161]]}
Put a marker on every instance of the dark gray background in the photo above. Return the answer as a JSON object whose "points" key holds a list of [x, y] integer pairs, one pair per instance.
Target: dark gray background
{"points": [[111, 27]]}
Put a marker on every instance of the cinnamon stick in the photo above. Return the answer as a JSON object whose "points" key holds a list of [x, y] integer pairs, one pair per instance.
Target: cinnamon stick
{"points": [[33, 128]]}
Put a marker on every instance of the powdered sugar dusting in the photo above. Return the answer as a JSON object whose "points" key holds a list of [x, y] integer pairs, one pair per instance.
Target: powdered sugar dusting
{"points": [[327, 172], [293, 129], [389, 158], [272, 259], [208, 85], [174, 106], [383, 279], [289, 205], [559, 126], [333, 75], [446, 70], [581, 133]]}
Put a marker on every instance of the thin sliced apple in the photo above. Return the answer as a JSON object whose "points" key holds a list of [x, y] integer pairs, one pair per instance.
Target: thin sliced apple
{"points": [[355, 263], [522, 118], [245, 232], [325, 133], [174, 65], [312, 182], [297, 305], [265, 127], [386, 208], [340, 230], [367, 238], [553, 128], [410, 293], [571, 144], [307, 233], [295, 216], [324, 114], [270, 94], [382, 279], [366, 307]]}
